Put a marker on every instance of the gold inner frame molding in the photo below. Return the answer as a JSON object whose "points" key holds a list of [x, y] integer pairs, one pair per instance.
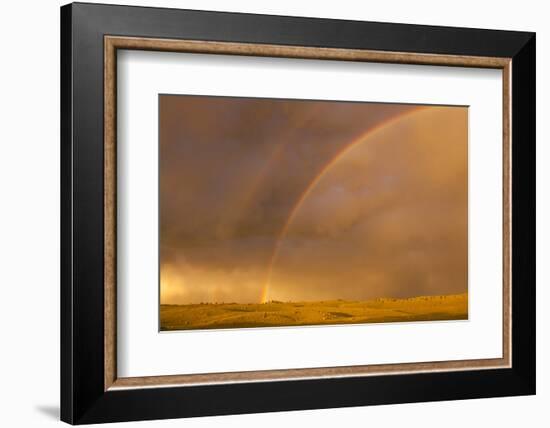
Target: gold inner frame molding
{"points": [[113, 43]]}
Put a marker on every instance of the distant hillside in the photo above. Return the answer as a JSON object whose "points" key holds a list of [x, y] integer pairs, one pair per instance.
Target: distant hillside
{"points": [[278, 314]]}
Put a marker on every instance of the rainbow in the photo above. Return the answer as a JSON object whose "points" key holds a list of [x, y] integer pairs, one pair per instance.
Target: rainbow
{"points": [[255, 185], [353, 143]]}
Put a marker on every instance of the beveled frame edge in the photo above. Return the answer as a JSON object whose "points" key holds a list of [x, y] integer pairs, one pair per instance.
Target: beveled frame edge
{"points": [[110, 223], [112, 43]]}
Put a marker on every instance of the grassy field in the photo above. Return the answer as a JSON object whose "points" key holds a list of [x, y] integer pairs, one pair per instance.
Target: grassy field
{"points": [[277, 314]]}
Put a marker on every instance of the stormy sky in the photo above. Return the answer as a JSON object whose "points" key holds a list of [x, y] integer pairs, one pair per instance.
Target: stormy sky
{"points": [[266, 199]]}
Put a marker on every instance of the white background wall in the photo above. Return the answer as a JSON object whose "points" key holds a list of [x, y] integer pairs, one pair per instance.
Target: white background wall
{"points": [[29, 214]]}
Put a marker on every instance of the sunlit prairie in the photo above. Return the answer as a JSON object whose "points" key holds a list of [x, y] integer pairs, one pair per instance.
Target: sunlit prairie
{"points": [[279, 314]]}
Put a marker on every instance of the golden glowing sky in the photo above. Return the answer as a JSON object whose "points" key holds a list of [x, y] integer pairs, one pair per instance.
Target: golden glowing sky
{"points": [[266, 199]]}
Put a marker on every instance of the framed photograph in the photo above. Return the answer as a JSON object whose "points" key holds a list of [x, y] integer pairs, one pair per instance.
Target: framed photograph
{"points": [[265, 213]]}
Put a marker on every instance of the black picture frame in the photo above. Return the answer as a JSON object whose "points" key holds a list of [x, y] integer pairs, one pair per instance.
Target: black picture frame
{"points": [[83, 396]]}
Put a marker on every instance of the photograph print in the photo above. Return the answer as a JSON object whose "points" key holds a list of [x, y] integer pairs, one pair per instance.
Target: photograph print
{"points": [[287, 212]]}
